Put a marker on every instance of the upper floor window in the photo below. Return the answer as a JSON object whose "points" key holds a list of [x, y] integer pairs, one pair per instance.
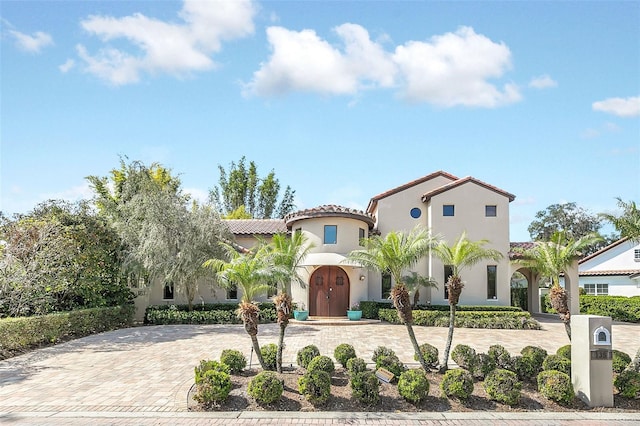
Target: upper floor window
{"points": [[167, 292], [448, 210], [361, 236], [492, 273], [415, 212], [636, 255], [331, 234], [491, 211]]}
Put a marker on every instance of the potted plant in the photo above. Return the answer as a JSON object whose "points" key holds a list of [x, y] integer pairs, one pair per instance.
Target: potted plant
{"points": [[354, 313], [300, 314]]}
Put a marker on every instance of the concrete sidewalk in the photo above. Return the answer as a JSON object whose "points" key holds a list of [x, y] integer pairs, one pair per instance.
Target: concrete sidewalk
{"points": [[142, 375]]}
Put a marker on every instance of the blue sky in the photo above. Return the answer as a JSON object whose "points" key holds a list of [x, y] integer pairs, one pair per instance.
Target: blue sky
{"points": [[344, 100]]}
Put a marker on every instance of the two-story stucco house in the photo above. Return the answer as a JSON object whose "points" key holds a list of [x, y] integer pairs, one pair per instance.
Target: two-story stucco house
{"points": [[614, 270]]}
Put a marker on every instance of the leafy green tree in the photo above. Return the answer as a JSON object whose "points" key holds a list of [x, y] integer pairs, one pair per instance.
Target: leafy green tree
{"points": [[464, 253], [395, 253], [628, 223], [241, 186]]}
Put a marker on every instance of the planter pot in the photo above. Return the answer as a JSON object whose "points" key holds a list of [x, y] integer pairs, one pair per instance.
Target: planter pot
{"points": [[354, 315], [300, 315]]}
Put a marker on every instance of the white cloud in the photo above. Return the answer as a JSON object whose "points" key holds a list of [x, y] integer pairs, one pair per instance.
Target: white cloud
{"points": [[67, 66], [197, 194], [31, 43], [622, 107], [542, 82], [165, 47], [590, 133], [76, 193]]}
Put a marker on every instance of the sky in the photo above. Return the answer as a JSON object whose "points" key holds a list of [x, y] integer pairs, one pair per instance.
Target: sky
{"points": [[343, 100]]}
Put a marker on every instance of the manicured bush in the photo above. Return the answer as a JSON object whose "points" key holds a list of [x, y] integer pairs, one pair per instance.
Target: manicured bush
{"points": [[306, 354], [269, 354], [381, 351], [323, 363], [536, 354], [208, 313], [234, 359], [556, 386], [209, 365], [482, 366], [365, 387], [524, 367], [391, 363], [515, 320], [214, 387], [620, 361], [564, 351], [558, 363], [619, 308], [628, 383], [356, 365], [265, 387], [370, 308], [457, 383], [315, 385], [503, 386], [343, 353], [500, 357], [430, 354], [413, 385], [464, 356]]}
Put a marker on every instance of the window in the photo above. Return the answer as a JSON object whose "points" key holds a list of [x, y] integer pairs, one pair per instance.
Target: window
{"points": [[492, 272], [448, 271], [331, 234], [361, 236], [597, 289], [298, 230], [232, 293], [636, 255], [415, 212], [448, 210], [167, 293], [386, 285], [491, 211]]}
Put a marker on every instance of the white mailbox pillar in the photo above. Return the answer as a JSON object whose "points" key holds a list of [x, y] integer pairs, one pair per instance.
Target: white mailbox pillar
{"points": [[591, 359]]}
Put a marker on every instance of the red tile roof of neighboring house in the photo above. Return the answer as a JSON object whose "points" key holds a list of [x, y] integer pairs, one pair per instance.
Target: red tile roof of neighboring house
{"points": [[256, 226], [604, 273], [426, 197], [602, 250], [328, 210]]}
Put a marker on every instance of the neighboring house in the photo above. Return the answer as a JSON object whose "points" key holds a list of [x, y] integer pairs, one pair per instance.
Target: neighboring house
{"points": [[613, 270]]}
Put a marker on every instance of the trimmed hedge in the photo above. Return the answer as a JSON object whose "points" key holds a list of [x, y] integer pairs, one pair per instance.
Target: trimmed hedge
{"points": [[23, 333], [505, 319], [211, 313], [371, 309], [619, 308]]}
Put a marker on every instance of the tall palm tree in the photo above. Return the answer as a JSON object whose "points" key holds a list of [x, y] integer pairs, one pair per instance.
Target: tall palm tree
{"points": [[395, 253], [250, 273], [414, 282], [628, 223], [552, 258], [464, 253], [287, 254]]}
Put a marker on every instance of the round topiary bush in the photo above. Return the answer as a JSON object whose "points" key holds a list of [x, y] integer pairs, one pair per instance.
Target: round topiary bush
{"points": [[343, 353], [457, 383], [628, 383], [430, 355], [265, 387], [413, 385], [365, 387], [391, 363], [306, 354], [356, 365], [524, 367], [556, 385], [464, 356], [208, 365], [381, 351], [536, 355], [564, 351], [558, 363], [500, 357], [315, 385], [322, 362], [483, 365], [234, 359], [214, 387], [620, 361], [503, 386], [269, 355]]}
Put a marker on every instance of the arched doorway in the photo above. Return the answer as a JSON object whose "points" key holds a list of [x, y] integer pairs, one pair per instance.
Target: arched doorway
{"points": [[329, 292]]}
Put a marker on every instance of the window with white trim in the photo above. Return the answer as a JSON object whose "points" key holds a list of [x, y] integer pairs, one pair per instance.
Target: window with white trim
{"points": [[636, 255], [597, 289]]}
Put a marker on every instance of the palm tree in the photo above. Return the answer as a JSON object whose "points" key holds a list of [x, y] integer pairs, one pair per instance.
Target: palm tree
{"points": [[287, 254], [628, 223], [462, 254], [251, 273], [414, 282], [395, 253], [552, 258]]}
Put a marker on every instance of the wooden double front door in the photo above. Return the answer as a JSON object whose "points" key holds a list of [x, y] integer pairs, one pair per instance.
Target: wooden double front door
{"points": [[329, 292]]}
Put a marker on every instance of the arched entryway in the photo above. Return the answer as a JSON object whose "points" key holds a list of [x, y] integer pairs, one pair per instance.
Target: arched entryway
{"points": [[329, 292]]}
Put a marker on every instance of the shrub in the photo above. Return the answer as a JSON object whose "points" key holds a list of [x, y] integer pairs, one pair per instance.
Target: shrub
{"points": [[523, 367], [343, 353], [619, 308], [556, 385], [515, 320], [457, 383], [365, 387], [315, 385], [620, 361], [413, 385], [430, 354], [356, 365], [557, 363], [269, 354], [209, 365], [323, 363], [391, 363], [564, 351], [370, 308], [381, 351], [214, 387], [208, 313], [483, 365], [234, 359], [306, 354], [265, 387], [503, 386], [628, 383], [536, 354], [500, 357], [464, 356]]}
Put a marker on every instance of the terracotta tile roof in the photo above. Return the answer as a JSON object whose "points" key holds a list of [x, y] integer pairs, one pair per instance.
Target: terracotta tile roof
{"points": [[374, 200], [426, 197], [602, 250], [328, 210], [516, 249], [256, 226], [604, 273]]}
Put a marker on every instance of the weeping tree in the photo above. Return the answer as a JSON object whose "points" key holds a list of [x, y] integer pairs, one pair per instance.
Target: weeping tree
{"points": [[395, 253], [463, 254], [415, 281]]}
